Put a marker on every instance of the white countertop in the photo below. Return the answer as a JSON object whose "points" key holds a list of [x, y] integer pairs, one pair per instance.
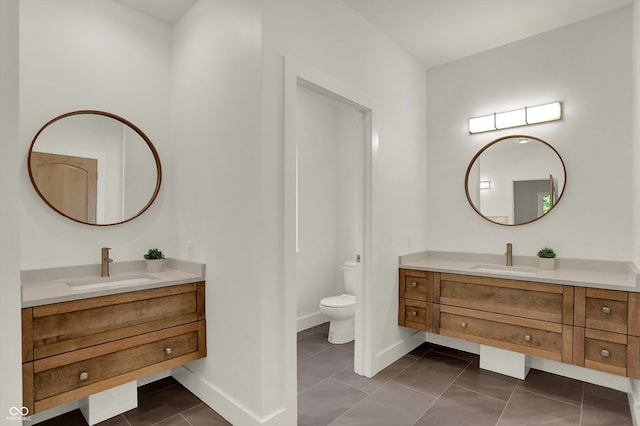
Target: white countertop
{"points": [[612, 275], [45, 286]]}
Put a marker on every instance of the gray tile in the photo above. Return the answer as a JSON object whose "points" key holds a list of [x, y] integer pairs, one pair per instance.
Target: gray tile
{"points": [[303, 353], [203, 415], [606, 393], [607, 411], [74, 417], [420, 351], [322, 365], [487, 382], [390, 405], [325, 401], [432, 373], [318, 329], [455, 352], [527, 408], [369, 385], [554, 386], [161, 405], [348, 346], [459, 406], [315, 343], [118, 420], [176, 420]]}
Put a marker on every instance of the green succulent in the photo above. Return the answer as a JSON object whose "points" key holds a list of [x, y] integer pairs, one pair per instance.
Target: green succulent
{"points": [[547, 253], [154, 253]]}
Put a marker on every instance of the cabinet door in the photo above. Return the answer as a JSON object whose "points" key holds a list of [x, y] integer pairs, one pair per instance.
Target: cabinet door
{"points": [[417, 285], [77, 374], [524, 299], [613, 353], [68, 326], [606, 310], [532, 337], [415, 314]]}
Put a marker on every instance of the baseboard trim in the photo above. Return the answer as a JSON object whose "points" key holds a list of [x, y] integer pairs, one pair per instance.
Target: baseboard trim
{"points": [[312, 320], [226, 406], [397, 350], [634, 400]]}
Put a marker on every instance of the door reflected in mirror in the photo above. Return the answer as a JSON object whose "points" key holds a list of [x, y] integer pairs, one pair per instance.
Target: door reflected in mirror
{"points": [[94, 167], [515, 180]]}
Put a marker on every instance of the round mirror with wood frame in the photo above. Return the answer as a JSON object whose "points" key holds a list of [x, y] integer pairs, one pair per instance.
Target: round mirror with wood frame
{"points": [[515, 180], [94, 167]]}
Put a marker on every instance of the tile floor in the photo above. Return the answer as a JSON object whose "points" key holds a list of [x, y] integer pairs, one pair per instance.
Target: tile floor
{"points": [[432, 385], [162, 403]]}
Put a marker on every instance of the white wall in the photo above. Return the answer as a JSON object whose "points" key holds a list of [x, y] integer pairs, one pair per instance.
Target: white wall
{"points": [[97, 55], [10, 167], [587, 66], [332, 39], [216, 103], [636, 132], [328, 132]]}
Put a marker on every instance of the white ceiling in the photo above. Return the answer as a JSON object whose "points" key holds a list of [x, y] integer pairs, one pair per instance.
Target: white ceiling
{"points": [[169, 11], [440, 31]]}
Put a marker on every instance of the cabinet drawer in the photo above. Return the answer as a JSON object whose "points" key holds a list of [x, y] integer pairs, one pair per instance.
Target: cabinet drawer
{"points": [[69, 326], [69, 373], [510, 297], [538, 338], [416, 285], [607, 310], [415, 314], [613, 353]]}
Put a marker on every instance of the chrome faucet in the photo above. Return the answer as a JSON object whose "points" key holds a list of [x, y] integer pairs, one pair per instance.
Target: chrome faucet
{"points": [[509, 254], [104, 271]]}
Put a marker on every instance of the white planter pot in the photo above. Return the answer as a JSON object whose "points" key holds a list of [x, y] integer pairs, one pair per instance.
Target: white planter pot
{"points": [[546, 263], [155, 265]]}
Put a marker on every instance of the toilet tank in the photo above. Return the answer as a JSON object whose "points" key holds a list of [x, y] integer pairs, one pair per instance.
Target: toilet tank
{"points": [[349, 269]]}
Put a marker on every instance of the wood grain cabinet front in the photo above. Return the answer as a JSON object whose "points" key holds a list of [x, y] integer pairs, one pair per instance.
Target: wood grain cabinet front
{"points": [[590, 327], [415, 309], [77, 348], [606, 321], [533, 337]]}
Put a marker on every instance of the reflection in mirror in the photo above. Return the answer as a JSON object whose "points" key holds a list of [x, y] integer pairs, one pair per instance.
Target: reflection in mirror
{"points": [[94, 167], [515, 180]]}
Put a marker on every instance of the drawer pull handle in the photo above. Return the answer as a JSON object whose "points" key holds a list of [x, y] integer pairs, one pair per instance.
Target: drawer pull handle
{"points": [[414, 313], [527, 338], [84, 375], [414, 284], [604, 353], [606, 310], [463, 325], [168, 351]]}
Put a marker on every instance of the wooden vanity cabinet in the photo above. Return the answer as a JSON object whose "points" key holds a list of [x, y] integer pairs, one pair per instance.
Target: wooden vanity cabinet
{"points": [[415, 308], [604, 323], [521, 316], [77, 348], [589, 327]]}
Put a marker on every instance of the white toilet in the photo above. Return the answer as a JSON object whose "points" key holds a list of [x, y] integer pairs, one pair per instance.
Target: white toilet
{"points": [[341, 310]]}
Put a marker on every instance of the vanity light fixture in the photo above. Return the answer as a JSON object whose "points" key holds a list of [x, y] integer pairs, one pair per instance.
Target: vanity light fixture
{"points": [[515, 118], [485, 184]]}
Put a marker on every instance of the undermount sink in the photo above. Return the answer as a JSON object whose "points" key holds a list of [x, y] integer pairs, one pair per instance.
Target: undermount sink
{"points": [[109, 282], [508, 270]]}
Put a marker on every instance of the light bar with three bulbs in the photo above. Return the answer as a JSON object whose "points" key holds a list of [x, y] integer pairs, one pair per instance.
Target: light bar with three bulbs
{"points": [[516, 118]]}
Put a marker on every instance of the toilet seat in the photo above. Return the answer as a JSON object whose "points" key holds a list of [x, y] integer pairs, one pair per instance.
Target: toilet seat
{"points": [[342, 301]]}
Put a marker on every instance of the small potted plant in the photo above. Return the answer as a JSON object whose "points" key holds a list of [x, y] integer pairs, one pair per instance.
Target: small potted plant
{"points": [[154, 260], [546, 258]]}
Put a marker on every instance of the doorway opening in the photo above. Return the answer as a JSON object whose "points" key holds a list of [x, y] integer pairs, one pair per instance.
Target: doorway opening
{"points": [[327, 165]]}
